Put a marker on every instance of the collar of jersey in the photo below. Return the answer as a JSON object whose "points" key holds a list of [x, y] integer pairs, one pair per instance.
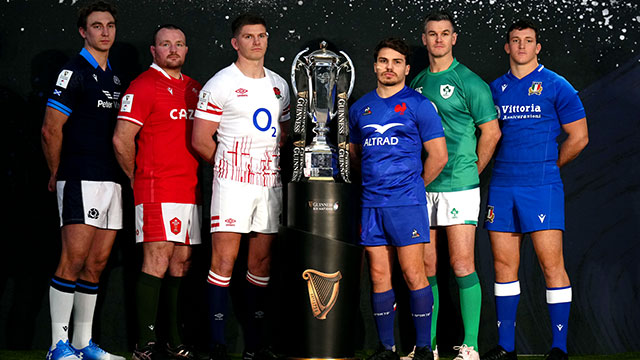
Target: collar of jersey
{"points": [[87, 55], [450, 68], [537, 70], [161, 70]]}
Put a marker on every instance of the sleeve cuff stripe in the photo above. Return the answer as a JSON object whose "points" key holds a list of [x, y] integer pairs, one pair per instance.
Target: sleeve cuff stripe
{"points": [[59, 106], [135, 121]]}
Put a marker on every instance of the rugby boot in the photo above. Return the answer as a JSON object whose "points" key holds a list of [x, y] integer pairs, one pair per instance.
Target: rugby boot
{"points": [[146, 352], [94, 352], [466, 353], [384, 354], [265, 353], [499, 353], [62, 351], [423, 353], [409, 356], [180, 352], [557, 354]]}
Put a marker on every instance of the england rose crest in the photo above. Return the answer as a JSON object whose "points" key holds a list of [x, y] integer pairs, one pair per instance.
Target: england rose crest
{"points": [[277, 92]]}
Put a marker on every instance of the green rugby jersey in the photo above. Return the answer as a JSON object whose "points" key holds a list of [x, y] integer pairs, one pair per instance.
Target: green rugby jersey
{"points": [[463, 101]]}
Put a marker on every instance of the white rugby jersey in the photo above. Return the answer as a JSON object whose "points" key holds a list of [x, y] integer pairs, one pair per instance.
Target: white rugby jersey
{"points": [[249, 111]]}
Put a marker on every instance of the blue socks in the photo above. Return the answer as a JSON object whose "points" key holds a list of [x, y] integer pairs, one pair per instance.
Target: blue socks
{"points": [[384, 311], [507, 298], [218, 296], [421, 303], [559, 303]]}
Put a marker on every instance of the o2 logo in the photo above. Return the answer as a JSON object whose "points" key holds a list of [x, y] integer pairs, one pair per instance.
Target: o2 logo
{"points": [[258, 121]]}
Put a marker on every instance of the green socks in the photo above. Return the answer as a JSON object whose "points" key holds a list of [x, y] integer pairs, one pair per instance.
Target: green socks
{"points": [[470, 303], [433, 281]]}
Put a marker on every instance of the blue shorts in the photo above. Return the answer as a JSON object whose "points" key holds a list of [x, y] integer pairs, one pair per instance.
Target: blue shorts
{"points": [[525, 209], [396, 225]]}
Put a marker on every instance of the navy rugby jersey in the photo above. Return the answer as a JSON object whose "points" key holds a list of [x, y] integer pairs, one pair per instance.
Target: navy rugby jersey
{"points": [[531, 112], [392, 132], [89, 96]]}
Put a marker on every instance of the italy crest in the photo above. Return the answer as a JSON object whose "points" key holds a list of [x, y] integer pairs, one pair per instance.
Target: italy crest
{"points": [[536, 88]]}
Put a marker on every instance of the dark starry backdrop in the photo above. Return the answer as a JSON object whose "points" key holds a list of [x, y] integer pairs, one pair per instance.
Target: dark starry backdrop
{"points": [[594, 44]]}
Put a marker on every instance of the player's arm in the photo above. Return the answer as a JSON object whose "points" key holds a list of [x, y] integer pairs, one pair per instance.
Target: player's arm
{"points": [[577, 139], [284, 132], [489, 135], [51, 139], [124, 145], [437, 157], [355, 152], [202, 138]]}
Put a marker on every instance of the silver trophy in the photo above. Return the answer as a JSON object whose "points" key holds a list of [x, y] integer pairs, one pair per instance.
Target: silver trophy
{"points": [[322, 82]]}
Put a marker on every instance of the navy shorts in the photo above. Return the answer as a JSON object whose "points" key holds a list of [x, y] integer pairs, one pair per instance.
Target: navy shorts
{"points": [[396, 226], [525, 209]]}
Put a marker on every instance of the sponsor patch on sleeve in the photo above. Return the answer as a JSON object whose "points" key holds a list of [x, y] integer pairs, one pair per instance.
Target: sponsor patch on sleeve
{"points": [[203, 100], [127, 102], [63, 78]]}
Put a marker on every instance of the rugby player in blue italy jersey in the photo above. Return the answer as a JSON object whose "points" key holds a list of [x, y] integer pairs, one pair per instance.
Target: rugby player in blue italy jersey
{"points": [[389, 127], [526, 192], [86, 177]]}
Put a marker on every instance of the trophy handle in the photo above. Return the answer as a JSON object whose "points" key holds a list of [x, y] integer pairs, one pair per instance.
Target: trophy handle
{"points": [[353, 73], [294, 65]]}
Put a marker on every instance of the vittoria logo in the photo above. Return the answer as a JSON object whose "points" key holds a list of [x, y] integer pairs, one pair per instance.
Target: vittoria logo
{"points": [[230, 222], [176, 225], [323, 291], [277, 92], [242, 92], [400, 108], [536, 88], [490, 214], [93, 213]]}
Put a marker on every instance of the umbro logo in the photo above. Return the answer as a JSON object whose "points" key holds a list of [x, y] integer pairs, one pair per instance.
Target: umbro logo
{"points": [[219, 316], [242, 92], [542, 217]]}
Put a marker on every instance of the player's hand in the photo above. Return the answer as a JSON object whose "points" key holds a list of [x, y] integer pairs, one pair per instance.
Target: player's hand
{"points": [[51, 186]]}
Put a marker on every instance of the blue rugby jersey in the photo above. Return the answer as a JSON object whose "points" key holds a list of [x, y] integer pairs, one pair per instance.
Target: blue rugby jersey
{"points": [[391, 132], [531, 111], [90, 97]]}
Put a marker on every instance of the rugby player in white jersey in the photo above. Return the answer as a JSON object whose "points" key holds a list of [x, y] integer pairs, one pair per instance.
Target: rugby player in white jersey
{"points": [[247, 106]]}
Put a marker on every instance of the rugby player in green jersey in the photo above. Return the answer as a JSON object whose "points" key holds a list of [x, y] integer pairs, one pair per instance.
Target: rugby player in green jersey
{"points": [[463, 101]]}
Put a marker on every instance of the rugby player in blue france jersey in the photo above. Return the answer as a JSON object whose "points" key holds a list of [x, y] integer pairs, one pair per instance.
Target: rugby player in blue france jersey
{"points": [[389, 127], [86, 177], [526, 192]]}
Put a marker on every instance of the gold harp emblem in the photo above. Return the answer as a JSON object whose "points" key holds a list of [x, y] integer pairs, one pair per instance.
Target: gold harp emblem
{"points": [[323, 291]]}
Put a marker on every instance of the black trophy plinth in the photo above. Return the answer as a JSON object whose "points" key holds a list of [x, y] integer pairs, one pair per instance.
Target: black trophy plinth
{"points": [[321, 270]]}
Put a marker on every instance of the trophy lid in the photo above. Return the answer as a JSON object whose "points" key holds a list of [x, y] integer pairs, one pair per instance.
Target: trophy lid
{"points": [[324, 54]]}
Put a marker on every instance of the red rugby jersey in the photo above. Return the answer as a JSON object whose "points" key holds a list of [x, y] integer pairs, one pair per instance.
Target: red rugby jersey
{"points": [[166, 164]]}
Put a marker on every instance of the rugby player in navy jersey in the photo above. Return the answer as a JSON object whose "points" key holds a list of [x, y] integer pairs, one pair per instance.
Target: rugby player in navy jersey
{"points": [[526, 194], [389, 127], [76, 140]]}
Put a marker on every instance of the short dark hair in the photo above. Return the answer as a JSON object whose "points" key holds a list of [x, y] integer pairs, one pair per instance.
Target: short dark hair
{"points": [[522, 24], [246, 19], [85, 11], [439, 15], [396, 44], [165, 26]]}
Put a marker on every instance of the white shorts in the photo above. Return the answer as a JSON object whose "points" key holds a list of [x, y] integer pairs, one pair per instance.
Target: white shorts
{"points": [[95, 203], [168, 222], [453, 208], [243, 208]]}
